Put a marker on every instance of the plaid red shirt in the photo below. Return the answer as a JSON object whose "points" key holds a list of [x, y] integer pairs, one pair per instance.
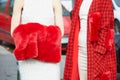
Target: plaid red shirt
{"points": [[101, 63]]}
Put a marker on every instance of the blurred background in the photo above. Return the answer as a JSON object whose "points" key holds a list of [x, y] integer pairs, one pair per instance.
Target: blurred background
{"points": [[8, 63]]}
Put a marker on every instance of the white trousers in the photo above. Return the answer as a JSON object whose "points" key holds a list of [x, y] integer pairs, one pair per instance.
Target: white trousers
{"points": [[37, 70]]}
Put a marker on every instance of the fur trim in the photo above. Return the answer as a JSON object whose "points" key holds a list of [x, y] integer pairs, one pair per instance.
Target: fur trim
{"points": [[106, 76], [37, 41], [109, 39], [94, 26]]}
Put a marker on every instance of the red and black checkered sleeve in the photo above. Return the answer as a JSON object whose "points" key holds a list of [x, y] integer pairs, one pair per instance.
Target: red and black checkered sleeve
{"points": [[107, 23]]}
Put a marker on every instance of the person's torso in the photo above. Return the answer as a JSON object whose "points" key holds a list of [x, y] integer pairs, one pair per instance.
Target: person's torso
{"points": [[39, 11]]}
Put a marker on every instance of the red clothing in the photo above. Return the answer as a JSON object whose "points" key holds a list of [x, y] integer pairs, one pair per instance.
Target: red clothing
{"points": [[101, 51], [37, 41]]}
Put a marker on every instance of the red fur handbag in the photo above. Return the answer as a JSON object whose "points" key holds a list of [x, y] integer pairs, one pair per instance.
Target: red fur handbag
{"points": [[37, 41]]}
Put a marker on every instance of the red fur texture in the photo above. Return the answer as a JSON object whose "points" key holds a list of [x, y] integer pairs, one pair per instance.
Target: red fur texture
{"points": [[33, 40], [94, 26], [109, 39], [106, 76]]}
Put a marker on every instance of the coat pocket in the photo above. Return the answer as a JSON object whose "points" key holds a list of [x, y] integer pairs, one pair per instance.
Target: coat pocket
{"points": [[94, 26]]}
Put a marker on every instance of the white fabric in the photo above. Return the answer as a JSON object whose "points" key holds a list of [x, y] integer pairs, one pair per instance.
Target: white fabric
{"points": [[83, 75], [82, 42], [39, 11], [36, 70]]}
